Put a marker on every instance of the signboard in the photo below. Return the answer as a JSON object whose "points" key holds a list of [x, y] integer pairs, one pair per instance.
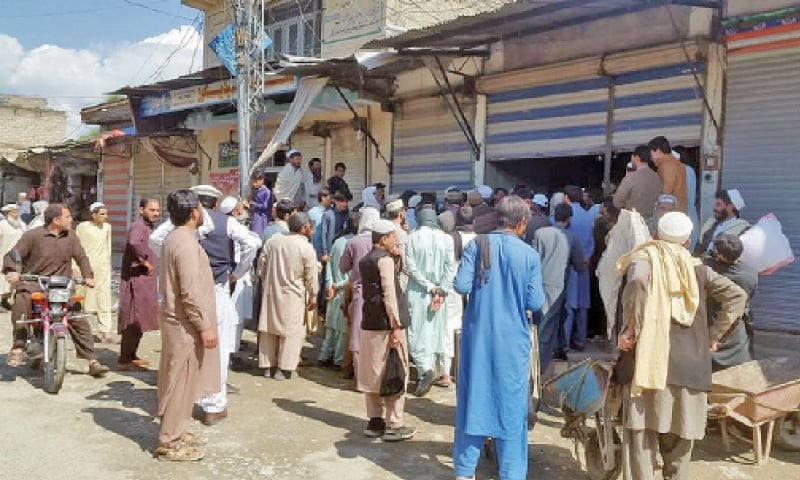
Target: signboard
{"points": [[226, 182], [204, 95], [228, 155], [344, 20]]}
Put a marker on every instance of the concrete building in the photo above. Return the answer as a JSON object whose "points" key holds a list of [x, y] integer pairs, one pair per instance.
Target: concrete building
{"points": [[25, 122]]}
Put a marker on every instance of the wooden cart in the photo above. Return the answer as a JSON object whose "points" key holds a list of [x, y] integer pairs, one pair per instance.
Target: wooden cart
{"points": [[756, 394]]}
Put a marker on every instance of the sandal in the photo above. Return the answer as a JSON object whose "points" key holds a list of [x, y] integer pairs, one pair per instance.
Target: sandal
{"points": [[15, 357], [192, 440], [181, 453], [130, 367]]}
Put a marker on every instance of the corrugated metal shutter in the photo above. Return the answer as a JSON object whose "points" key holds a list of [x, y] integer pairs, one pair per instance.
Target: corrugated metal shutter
{"points": [[116, 196], [346, 148], [658, 101], [760, 159], [152, 178], [554, 120], [308, 145], [431, 152]]}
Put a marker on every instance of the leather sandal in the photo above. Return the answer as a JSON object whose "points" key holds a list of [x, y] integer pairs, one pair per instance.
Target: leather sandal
{"points": [[15, 357], [192, 440], [180, 453]]}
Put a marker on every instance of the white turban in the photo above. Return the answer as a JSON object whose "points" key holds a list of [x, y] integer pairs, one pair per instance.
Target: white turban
{"points": [[675, 227], [228, 204]]}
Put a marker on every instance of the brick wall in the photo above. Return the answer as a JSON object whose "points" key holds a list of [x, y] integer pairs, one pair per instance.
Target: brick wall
{"points": [[22, 127]]}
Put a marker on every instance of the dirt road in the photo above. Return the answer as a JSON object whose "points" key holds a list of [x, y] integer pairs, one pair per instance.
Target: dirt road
{"points": [[307, 428]]}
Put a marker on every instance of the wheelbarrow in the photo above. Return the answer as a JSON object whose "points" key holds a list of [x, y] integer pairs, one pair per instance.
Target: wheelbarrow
{"points": [[585, 391], [755, 394]]}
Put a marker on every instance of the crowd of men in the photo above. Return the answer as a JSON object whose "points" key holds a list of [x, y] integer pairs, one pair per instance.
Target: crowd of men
{"points": [[405, 274]]}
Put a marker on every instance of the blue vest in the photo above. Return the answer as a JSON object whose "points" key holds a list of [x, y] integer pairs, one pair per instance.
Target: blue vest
{"points": [[219, 248]]}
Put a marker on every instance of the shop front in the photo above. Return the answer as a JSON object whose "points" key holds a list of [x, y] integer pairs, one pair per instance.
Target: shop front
{"points": [[573, 122], [762, 112], [431, 147]]}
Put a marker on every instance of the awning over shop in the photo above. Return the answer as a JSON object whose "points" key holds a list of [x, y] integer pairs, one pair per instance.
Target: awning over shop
{"points": [[36, 159], [522, 18]]}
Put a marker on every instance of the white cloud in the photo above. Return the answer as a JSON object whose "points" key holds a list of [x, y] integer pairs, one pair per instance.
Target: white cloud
{"points": [[74, 78]]}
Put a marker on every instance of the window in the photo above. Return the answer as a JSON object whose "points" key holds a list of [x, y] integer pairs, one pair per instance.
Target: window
{"points": [[294, 28]]}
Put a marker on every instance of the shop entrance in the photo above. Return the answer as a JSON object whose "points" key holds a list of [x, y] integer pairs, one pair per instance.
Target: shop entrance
{"points": [[549, 175]]}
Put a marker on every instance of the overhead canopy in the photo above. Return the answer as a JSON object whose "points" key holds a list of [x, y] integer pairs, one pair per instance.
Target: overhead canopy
{"points": [[522, 18], [204, 77]]}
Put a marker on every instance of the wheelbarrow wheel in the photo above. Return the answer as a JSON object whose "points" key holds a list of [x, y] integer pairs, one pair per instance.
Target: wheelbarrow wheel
{"points": [[787, 433], [594, 458]]}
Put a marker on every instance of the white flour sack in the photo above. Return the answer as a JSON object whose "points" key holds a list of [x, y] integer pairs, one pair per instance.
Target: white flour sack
{"points": [[766, 248]]}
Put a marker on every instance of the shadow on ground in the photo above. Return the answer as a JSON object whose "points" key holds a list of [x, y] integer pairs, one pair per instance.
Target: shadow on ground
{"points": [[128, 396], [138, 428], [409, 460]]}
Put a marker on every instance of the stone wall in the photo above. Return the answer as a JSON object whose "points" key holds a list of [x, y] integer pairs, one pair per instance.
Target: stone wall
{"points": [[26, 122]]}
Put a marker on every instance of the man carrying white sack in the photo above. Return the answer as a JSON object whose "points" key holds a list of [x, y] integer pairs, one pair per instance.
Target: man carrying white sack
{"points": [[726, 219], [664, 318]]}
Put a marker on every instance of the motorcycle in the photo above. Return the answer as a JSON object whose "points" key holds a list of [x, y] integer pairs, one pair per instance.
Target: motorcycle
{"points": [[52, 308]]}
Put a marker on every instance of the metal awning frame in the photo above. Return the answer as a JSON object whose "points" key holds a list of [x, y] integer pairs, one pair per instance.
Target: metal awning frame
{"points": [[444, 36]]}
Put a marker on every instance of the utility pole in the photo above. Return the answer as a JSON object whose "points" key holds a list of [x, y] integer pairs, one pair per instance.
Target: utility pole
{"points": [[251, 65], [243, 69]]}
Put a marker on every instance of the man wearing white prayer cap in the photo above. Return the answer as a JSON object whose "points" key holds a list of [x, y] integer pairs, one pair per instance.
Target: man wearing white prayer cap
{"points": [[228, 205], [726, 219], [382, 327], [664, 305], [95, 238]]}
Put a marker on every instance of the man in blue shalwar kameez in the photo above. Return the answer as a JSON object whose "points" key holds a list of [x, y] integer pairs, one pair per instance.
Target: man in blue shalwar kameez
{"points": [[502, 275], [578, 287]]}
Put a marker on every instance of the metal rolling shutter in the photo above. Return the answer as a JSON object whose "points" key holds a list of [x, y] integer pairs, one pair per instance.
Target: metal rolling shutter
{"points": [[663, 100], [116, 196], [431, 152], [760, 159], [346, 148], [308, 145], [152, 178], [555, 120]]}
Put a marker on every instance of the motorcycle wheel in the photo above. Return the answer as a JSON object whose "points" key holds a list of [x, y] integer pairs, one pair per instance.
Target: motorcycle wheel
{"points": [[54, 369]]}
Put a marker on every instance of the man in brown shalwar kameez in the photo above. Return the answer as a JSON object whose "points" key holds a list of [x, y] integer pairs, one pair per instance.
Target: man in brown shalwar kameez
{"points": [[189, 367], [664, 316], [138, 289], [382, 328], [288, 270]]}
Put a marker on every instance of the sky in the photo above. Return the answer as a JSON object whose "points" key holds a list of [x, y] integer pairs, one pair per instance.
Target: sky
{"points": [[74, 52]]}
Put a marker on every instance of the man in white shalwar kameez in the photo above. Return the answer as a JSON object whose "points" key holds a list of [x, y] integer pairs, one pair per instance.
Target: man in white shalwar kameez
{"points": [[11, 230], [291, 181], [95, 238]]}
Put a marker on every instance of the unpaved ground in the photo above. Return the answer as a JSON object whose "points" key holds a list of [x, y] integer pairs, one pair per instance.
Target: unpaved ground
{"points": [[308, 428]]}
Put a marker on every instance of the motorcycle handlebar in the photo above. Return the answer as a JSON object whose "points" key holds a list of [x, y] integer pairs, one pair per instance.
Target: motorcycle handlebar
{"points": [[29, 277]]}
